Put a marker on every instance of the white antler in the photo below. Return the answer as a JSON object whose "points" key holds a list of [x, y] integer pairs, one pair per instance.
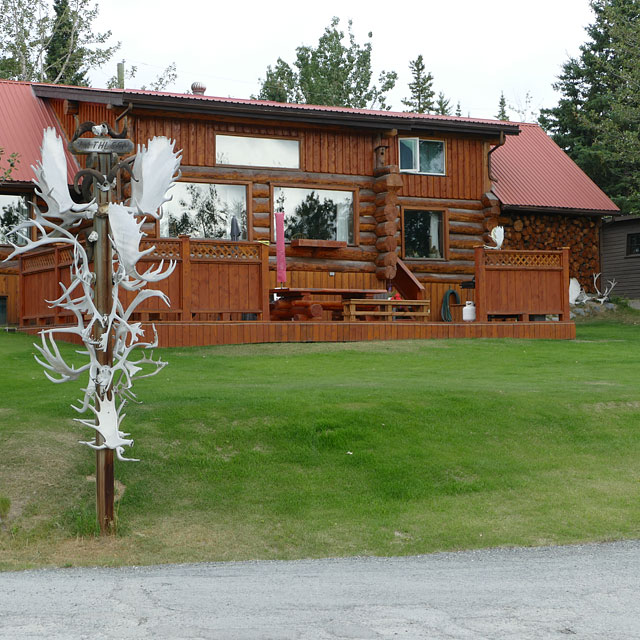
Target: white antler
{"points": [[603, 297]]}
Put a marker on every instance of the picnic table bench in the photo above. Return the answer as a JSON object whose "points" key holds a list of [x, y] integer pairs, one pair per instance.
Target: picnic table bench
{"points": [[417, 310], [303, 303]]}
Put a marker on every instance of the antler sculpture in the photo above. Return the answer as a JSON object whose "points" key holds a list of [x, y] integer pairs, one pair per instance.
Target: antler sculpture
{"points": [[155, 170]]}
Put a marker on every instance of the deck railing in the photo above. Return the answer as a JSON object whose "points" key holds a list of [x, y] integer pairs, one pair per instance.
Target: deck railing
{"points": [[525, 284], [213, 280]]}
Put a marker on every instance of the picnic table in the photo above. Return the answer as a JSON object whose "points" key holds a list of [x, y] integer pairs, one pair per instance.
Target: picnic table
{"points": [[306, 303]]}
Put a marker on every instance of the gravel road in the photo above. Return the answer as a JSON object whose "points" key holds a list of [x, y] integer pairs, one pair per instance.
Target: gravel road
{"points": [[586, 591]]}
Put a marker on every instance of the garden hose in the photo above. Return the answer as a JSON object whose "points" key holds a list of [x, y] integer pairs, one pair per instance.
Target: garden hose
{"points": [[445, 311]]}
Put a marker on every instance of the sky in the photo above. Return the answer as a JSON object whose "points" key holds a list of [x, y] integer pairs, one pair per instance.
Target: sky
{"points": [[475, 49]]}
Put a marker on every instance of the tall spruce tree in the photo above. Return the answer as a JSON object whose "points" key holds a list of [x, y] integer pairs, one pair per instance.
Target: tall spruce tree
{"points": [[64, 60], [502, 108], [597, 119], [333, 73], [421, 99]]}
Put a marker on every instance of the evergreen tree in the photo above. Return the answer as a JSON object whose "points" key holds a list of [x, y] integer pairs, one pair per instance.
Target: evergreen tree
{"points": [[443, 105], [332, 73], [502, 108], [421, 99], [59, 47], [458, 109], [597, 119]]}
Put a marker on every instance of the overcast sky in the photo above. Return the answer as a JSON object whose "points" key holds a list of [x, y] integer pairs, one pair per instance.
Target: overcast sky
{"points": [[474, 48]]}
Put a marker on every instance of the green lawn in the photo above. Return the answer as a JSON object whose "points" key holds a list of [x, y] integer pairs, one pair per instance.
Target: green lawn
{"points": [[312, 450]]}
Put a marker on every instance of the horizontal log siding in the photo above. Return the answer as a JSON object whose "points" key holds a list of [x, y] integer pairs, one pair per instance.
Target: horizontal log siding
{"points": [[464, 177]]}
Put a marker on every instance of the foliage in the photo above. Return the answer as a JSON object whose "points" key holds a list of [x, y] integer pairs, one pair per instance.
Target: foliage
{"points": [[421, 99], [502, 108], [310, 450], [597, 119], [458, 109], [443, 105], [313, 219], [166, 78], [11, 161], [36, 45], [333, 73]]}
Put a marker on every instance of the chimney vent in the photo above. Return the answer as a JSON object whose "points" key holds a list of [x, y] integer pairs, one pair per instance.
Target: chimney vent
{"points": [[198, 88]]}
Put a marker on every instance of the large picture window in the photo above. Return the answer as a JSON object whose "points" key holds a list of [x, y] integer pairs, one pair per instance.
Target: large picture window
{"points": [[423, 234], [206, 210], [13, 210], [246, 151], [318, 214], [422, 156]]}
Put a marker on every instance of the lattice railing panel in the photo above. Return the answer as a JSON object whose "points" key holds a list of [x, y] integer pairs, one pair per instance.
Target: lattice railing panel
{"points": [[164, 249], [544, 260], [39, 262], [224, 251]]}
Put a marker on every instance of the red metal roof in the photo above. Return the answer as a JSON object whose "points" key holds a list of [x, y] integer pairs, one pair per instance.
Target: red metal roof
{"points": [[23, 118], [126, 94], [531, 170]]}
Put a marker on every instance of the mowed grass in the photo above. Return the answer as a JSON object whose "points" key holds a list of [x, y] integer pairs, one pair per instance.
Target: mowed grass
{"points": [[315, 450]]}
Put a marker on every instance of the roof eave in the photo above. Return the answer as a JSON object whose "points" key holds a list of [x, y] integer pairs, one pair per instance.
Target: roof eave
{"points": [[184, 104], [558, 210]]}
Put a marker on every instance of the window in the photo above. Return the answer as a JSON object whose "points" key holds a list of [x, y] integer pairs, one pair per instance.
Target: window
{"points": [[206, 210], [633, 244], [319, 214], [423, 234], [422, 156], [258, 152], [13, 210]]}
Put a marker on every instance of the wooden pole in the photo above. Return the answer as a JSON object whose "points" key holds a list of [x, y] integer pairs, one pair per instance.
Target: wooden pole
{"points": [[103, 287]]}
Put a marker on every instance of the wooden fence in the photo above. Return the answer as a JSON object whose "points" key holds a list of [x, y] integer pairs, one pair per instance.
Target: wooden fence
{"points": [[521, 285], [213, 280]]}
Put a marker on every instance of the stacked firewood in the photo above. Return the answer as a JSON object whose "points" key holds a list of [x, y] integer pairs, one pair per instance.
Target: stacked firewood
{"points": [[579, 233]]}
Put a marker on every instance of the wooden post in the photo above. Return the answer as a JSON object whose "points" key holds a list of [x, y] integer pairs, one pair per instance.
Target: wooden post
{"points": [[480, 294], [185, 288]]}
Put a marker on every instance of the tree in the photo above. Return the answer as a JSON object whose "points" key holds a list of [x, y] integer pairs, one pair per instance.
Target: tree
{"points": [[458, 109], [443, 105], [36, 45], [597, 119], [502, 108], [333, 73], [421, 99]]}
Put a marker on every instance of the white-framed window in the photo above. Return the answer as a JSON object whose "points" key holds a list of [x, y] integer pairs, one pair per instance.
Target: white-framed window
{"points": [[14, 209], [423, 233], [317, 214], [206, 210], [248, 151], [422, 156]]}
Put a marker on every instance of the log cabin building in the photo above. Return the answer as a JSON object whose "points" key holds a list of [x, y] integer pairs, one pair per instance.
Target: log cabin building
{"points": [[372, 199]]}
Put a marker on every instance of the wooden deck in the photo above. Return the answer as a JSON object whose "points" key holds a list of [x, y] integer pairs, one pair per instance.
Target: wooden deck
{"points": [[176, 334]]}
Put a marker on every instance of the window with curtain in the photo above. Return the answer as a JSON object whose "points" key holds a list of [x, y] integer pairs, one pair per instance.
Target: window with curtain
{"points": [[422, 156], [318, 214], [423, 234], [206, 210]]}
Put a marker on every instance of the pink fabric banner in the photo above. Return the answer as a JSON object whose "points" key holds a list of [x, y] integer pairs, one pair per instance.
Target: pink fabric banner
{"points": [[281, 261]]}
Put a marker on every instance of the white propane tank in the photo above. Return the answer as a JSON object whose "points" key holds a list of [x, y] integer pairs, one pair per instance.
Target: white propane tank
{"points": [[469, 311]]}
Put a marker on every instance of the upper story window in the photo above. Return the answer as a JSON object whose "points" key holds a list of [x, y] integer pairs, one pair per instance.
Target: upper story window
{"points": [[206, 210], [246, 151], [13, 210], [633, 244], [317, 214], [422, 156]]}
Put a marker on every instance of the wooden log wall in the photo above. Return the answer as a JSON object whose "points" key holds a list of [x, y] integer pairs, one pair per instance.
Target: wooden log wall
{"points": [[465, 171], [9, 288], [554, 231]]}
